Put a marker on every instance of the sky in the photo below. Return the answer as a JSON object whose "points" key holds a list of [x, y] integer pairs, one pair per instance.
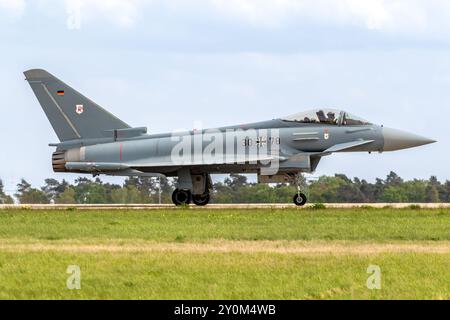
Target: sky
{"points": [[170, 64]]}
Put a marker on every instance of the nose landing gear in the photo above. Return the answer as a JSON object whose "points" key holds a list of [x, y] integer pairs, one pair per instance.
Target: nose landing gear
{"points": [[300, 198]]}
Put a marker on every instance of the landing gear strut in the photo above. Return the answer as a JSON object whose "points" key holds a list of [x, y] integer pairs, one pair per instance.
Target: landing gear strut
{"points": [[181, 197], [300, 198]]}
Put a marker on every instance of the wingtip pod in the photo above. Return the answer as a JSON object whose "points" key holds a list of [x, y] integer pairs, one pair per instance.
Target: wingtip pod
{"points": [[37, 74]]}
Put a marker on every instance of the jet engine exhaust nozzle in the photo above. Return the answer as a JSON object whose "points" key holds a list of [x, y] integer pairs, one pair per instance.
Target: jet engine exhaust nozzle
{"points": [[59, 161]]}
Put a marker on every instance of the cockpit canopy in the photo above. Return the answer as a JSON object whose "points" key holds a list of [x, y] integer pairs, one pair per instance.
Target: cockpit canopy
{"points": [[327, 116]]}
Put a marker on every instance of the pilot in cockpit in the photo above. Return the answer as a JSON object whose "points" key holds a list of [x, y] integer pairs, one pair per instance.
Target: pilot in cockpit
{"points": [[331, 117]]}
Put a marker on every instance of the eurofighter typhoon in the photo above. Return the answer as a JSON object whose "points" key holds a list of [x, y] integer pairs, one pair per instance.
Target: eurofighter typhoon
{"points": [[93, 141]]}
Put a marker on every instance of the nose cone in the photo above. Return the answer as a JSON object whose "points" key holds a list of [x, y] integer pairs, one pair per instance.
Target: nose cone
{"points": [[396, 140]]}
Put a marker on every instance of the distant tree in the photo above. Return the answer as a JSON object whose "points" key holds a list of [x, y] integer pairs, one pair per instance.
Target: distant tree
{"points": [[326, 189], [441, 188], [53, 188], [393, 194], [393, 179], [146, 186], [126, 195], [343, 177], [236, 181], [253, 193], [167, 188], [367, 189], [222, 193], [66, 197], [23, 186], [415, 190], [283, 193], [28, 195], [336, 189], [410, 191], [432, 190], [90, 192], [446, 188], [4, 199], [350, 192], [235, 189], [109, 189], [432, 194], [378, 189]]}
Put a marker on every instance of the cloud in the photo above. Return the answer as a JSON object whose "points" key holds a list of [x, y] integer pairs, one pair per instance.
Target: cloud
{"points": [[123, 13], [372, 14], [390, 16], [13, 7]]}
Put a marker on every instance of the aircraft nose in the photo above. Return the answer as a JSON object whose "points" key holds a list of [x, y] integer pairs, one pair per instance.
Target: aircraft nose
{"points": [[396, 140]]}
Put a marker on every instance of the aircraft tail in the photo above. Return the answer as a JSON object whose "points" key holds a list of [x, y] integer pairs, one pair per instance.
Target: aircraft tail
{"points": [[71, 115]]}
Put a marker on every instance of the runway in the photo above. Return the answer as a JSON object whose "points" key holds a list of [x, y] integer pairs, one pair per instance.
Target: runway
{"points": [[220, 206]]}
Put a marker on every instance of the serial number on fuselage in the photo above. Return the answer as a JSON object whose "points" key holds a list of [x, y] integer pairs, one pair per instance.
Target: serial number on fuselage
{"points": [[261, 141]]}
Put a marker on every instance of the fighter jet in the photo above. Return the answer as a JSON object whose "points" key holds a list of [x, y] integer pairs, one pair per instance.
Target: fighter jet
{"points": [[93, 141]]}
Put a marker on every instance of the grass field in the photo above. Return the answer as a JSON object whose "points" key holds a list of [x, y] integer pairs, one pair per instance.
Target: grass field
{"points": [[225, 254]]}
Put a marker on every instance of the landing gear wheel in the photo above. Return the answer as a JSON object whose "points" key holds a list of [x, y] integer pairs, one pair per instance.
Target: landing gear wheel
{"points": [[181, 197], [300, 199], [201, 199]]}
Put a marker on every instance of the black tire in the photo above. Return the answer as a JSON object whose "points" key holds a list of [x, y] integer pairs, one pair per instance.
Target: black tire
{"points": [[300, 199], [201, 199], [181, 197]]}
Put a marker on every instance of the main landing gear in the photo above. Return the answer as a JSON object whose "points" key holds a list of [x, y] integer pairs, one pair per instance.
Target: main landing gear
{"points": [[201, 200], [185, 197], [181, 197]]}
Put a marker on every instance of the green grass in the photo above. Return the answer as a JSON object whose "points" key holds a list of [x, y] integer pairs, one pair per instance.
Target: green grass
{"points": [[33, 273], [379, 225], [222, 276]]}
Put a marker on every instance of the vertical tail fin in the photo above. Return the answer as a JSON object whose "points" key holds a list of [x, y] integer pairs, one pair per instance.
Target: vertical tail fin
{"points": [[71, 115]]}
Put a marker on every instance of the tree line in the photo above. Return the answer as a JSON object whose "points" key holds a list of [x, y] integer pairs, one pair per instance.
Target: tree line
{"points": [[234, 189]]}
